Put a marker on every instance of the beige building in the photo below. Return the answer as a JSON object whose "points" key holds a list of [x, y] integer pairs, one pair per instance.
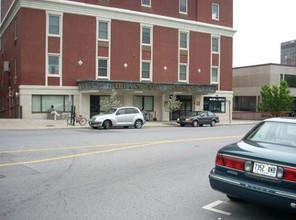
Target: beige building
{"points": [[248, 80]]}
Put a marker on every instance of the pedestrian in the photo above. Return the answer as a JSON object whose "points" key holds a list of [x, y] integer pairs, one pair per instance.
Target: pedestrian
{"points": [[52, 111]]}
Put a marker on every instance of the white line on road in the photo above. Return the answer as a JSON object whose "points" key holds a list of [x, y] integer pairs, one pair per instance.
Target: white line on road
{"points": [[211, 206]]}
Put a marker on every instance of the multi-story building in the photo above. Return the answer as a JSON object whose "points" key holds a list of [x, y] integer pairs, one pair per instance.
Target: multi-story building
{"points": [[248, 80], [75, 52], [288, 52]]}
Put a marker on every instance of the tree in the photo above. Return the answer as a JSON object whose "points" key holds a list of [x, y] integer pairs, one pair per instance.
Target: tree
{"points": [[111, 101], [173, 105], [276, 99]]}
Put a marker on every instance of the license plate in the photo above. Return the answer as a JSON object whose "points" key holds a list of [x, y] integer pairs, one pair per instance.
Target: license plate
{"points": [[264, 169]]}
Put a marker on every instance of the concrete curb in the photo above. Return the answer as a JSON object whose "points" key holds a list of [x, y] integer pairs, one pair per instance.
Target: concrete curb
{"points": [[24, 124]]}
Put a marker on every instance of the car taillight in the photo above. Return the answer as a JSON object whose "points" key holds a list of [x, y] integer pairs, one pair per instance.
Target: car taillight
{"points": [[219, 160], [289, 174], [231, 162]]}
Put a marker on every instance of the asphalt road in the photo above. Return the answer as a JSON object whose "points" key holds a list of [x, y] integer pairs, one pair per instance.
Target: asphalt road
{"points": [[148, 173]]}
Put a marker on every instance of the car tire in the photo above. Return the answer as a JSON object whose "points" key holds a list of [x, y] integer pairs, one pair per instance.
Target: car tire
{"points": [[194, 123], [138, 124], [107, 124], [213, 123], [234, 199]]}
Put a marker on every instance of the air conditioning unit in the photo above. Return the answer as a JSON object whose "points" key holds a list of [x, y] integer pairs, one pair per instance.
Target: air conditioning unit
{"points": [[6, 66]]}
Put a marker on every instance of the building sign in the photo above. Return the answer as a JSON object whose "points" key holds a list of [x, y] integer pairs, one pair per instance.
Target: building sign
{"points": [[86, 85]]}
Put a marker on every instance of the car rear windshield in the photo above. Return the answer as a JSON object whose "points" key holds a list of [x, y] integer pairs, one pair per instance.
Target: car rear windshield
{"points": [[274, 132]]}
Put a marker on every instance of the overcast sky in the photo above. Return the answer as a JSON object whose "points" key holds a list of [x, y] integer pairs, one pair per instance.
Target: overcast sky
{"points": [[262, 25]]}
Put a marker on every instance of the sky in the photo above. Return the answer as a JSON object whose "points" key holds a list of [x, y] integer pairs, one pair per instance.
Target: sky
{"points": [[261, 26]]}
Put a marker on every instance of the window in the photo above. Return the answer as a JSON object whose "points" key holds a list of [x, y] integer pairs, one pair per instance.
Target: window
{"points": [[53, 64], [183, 40], [145, 70], [103, 30], [215, 75], [41, 103], [215, 44], [102, 67], [183, 6], [183, 72], [146, 3], [144, 102], [215, 11], [146, 35], [54, 24], [215, 104], [291, 80]]}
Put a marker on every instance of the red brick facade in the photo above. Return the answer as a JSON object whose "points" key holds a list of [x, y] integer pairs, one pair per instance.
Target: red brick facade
{"points": [[26, 44]]}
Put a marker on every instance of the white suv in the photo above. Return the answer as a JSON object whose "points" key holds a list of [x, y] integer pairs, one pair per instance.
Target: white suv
{"points": [[118, 117]]}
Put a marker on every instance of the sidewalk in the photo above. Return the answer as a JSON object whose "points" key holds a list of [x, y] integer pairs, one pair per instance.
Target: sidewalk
{"points": [[17, 124]]}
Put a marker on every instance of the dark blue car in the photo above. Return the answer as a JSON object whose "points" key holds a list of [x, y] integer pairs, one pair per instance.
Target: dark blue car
{"points": [[261, 168]]}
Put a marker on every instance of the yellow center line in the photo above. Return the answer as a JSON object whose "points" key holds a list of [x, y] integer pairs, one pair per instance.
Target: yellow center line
{"points": [[138, 145], [66, 148]]}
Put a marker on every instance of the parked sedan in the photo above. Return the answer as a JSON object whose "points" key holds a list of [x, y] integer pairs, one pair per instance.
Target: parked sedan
{"points": [[199, 119], [118, 117], [260, 168]]}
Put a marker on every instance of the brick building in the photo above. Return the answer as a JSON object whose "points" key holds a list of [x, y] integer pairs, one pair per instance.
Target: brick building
{"points": [[64, 53]]}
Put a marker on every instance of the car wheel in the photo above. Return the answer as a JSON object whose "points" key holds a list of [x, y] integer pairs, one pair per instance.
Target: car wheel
{"points": [[194, 124], [107, 124], [213, 123], [234, 198], [138, 124]]}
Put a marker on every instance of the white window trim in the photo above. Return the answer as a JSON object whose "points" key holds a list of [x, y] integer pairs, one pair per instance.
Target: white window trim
{"points": [[108, 21], [50, 13], [108, 68], [150, 73], [187, 39], [187, 73], [145, 5], [218, 12], [182, 12], [151, 34], [60, 65], [218, 75], [219, 43]]}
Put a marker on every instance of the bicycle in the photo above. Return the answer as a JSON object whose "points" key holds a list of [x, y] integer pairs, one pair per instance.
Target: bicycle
{"points": [[78, 119]]}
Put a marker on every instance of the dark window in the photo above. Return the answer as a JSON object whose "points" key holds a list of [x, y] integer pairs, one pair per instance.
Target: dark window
{"points": [[214, 104], [144, 102], [291, 80], [245, 103]]}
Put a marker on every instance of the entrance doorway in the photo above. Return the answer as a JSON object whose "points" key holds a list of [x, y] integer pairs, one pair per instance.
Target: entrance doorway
{"points": [[186, 107], [94, 105]]}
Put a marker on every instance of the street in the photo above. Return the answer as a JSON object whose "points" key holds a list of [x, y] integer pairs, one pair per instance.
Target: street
{"points": [[148, 173]]}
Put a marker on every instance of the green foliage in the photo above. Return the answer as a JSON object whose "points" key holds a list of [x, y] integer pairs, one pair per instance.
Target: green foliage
{"points": [[173, 105], [111, 101], [276, 98]]}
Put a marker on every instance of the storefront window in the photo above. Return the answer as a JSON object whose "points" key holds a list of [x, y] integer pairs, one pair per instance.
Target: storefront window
{"points": [[41, 103], [144, 102], [215, 104]]}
